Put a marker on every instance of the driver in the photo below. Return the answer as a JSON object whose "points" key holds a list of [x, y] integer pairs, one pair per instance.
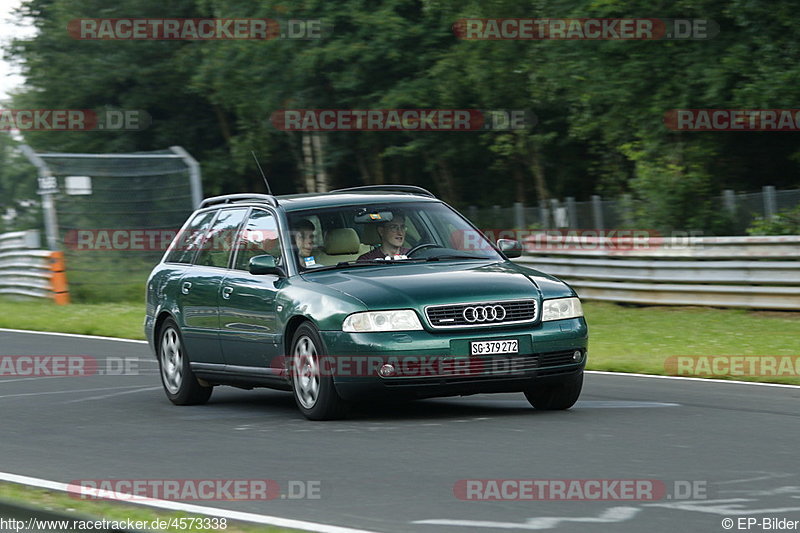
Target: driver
{"points": [[393, 235]]}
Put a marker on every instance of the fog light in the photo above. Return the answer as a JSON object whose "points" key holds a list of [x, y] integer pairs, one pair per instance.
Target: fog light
{"points": [[577, 356], [387, 371]]}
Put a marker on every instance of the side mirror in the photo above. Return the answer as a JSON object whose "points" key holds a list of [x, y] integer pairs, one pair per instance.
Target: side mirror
{"points": [[264, 264], [510, 247]]}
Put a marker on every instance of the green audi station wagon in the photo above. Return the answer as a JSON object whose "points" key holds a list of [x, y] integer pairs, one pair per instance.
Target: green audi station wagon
{"points": [[341, 297]]}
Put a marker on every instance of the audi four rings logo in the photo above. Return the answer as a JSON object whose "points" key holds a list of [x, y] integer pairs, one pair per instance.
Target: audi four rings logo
{"points": [[484, 313]]}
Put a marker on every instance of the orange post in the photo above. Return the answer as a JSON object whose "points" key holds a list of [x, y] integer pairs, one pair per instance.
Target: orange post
{"points": [[58, 278]]}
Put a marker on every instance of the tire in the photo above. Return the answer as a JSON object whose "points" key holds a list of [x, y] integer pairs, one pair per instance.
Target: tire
{"points": [[556, 396], [180, 383], [314, 393]]}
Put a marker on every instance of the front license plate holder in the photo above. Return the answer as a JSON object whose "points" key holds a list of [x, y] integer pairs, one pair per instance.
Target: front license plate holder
{"points": [[506, 346]]}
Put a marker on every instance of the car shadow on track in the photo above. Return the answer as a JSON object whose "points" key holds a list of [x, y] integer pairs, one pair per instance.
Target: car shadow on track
{"points": [[282, 404]]}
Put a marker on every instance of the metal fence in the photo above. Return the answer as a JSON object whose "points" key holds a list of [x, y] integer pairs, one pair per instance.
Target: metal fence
{"points": [[27, 270], [97, 195], [745, 272], [604, 213]]}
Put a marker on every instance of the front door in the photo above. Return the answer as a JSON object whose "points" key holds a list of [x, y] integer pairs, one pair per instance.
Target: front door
{"points": [[248, 322]]}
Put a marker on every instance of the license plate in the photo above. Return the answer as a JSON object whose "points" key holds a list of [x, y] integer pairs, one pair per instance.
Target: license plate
{"points": [[493, 347]]}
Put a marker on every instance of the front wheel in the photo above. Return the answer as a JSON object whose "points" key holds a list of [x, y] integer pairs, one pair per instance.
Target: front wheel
{"points": [[557, 395], [313, 387], [180, 383]]}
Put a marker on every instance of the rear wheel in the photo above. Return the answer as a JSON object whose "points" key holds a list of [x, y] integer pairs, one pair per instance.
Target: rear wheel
{"points": [[556, 395], [180, 383], [313, 388]]}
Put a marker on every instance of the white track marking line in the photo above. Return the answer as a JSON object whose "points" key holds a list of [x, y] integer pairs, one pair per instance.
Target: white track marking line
{"points": [[146, 372], [31, 379], [75, 335], [681, 378], [67, 391], [189, 508], [103, 397], [600, 372]]}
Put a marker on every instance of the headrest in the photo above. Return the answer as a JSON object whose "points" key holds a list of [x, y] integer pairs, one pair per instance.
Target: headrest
{"points": [[371, 234], [341, 241]]}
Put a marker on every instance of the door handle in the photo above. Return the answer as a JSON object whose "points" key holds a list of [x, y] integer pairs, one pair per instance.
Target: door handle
{"points": [[186, 286], [226, 292]]}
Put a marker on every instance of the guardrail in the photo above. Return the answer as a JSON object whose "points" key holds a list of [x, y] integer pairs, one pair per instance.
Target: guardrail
{"points": [[748, 272], [26, 270]]}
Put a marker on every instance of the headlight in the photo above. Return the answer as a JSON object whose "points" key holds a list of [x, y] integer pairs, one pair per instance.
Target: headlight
{"points": [[561, 308], [402, 320]]}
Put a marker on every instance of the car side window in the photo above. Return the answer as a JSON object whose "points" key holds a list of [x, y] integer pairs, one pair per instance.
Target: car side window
{"points": [[259, 237], [189, 240], [218, 242]]}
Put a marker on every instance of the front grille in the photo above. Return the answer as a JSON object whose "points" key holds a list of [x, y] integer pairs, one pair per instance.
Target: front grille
{"points": [[498, 367], [481, 314]]}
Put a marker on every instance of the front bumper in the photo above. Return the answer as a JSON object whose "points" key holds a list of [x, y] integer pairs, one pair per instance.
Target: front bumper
{"points": [[432, 364]]}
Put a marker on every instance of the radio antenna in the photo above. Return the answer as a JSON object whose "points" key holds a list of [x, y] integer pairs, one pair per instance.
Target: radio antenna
{"points": [[269, 190]]}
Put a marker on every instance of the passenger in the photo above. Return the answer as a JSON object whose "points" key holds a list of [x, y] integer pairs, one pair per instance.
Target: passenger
{"points": [[393, 235], [304, 241]]}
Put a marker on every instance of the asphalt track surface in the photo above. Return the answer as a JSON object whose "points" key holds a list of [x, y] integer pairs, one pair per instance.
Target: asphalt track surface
{"points": [[394, 468]]}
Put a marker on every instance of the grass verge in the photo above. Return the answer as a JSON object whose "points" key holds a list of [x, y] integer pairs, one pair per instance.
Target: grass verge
{"points": [[641, 339], [123, 319], [78, 509], [622, 338]]}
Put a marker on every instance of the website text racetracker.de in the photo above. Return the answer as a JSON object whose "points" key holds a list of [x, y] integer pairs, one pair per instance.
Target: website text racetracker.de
{"points": [[194, 489], [402, 119], [732, 120], [578, 489], [488, 358], [149, 240], [73, 120], [584, 29], [54, 526], [574, 239], [733, 365], [66, 366], [173, 29]]}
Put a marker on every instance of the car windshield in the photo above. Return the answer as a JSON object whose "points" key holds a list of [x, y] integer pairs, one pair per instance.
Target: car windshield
{"points": [[361, 235]]}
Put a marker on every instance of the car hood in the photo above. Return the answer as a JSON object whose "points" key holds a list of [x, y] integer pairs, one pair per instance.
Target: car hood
{"points": [[419, 284]]}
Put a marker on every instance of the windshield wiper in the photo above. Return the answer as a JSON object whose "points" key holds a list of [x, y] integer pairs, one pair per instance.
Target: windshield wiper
{"points": [[368, 262], [456, 256]]}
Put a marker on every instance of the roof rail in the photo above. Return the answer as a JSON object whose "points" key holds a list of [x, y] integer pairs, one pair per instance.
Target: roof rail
{"points": [[240, 197], [410, 189]]}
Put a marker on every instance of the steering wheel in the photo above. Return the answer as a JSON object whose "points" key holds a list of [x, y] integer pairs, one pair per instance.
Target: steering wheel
{"points": [[422, 246]]}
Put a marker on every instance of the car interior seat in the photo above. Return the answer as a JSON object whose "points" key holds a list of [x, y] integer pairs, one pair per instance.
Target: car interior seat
{"points": [[341, 244]]}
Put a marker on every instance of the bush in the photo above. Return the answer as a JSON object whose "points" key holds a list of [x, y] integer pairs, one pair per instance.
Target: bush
{"points": [[786, 222]]}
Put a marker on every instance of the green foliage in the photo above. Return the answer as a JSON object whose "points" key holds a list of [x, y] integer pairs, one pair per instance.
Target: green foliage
{"points": [[19, 204], [786, 222], [599, 104]]}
